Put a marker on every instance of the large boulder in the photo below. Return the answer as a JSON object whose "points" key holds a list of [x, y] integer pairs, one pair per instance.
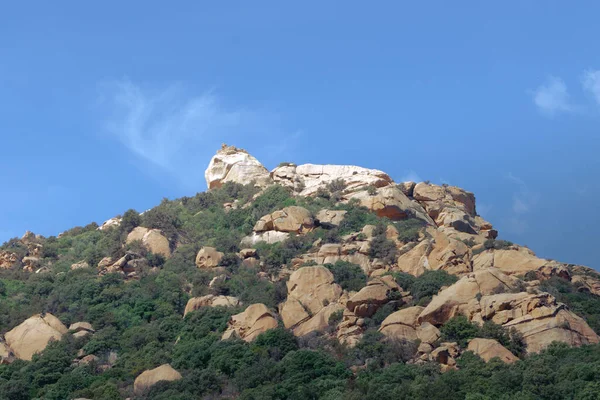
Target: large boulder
{"points": [[210, 300], [290, 219], [427, 194], [247, 325], [378, 292], [231, 164], [81, 329], [390, 202], [538, 317], [311, 177], [402, 324], [330, 218], [6, 354], [516, 260], [310, 290], [490, 348], [33, 335], [152, 239], [455, 299], [208, 257], [151, 377], [439, 252]]}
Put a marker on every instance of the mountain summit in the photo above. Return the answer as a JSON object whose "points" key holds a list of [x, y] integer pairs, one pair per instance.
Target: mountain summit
{"points": [[305, 276]]}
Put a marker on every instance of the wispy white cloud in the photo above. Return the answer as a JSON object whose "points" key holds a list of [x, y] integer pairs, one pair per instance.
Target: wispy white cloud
{"points": [[591, 83], [411, 176], [176, 131], [552, 97], [524, 199]]}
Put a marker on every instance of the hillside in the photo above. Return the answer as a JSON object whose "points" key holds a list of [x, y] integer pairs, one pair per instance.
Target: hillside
{"points": [[305, 282]]}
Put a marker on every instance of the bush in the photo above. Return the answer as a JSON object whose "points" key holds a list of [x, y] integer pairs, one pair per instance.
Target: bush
{"points": [[381, 247], [409, 229], [349, 276]]}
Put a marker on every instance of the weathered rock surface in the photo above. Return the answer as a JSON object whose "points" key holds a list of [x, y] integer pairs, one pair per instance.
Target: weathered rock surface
{"points": [[330, 218], [247, 325], [439, 252], [8, 259], [6, 354], [402, 324], [455, 299], [33, 335], [208, 257], [517, 261], [231, 164], [151, 377], [110, 223], [210, 300], [152, 239], [290, 219], [80, 265], [390, 202], [312, 177], [81, 329], [378, 292], [490, 348], [310, 290]]}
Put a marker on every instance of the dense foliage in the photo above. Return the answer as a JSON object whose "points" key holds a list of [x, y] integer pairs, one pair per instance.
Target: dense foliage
{"points": [[139, 323]]}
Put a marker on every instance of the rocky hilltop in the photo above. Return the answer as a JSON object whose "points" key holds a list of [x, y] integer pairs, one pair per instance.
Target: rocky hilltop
{"points": [[337, 255]]}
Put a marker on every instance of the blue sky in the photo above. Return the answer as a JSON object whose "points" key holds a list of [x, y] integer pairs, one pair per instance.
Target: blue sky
{"points": [[115, 105]]}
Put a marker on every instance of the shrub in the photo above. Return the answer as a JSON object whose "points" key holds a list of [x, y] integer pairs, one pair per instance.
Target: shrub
{"points": [[349, 276], [459, 329], [409, 229], [381, 247], [429, 283]]}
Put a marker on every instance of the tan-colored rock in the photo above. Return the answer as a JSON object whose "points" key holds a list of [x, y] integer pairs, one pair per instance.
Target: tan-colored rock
{"points": [[149, 378], [247, 325], [105, 263], [152, 239], [439, 252], [6, 354], [428, 333], [586, 283], [445, 355], [231, 164], [517, 261], [30, 264], [490, 348], [407, 188], [402, 324], [377, 293], [330, 218], [80, 265], [450, 195], [208, 257], [312, 177], [210, 300], [33, 335], [390, 202], [8, 259], [312, 298], [455, 299], [247, 253], [81, 326], [290, 219]]}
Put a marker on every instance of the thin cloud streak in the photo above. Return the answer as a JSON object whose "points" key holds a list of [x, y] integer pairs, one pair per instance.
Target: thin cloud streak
{"points": [[175, 131]]}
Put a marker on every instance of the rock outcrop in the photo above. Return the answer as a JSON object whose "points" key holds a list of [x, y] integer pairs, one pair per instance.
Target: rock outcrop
{"points": [[81, 329], [33, 335], [455, 299], [151, 377], [231, 164], [247, 325], [378, 292], [291, 219], [330, 218], [390, 202], [311, 177], [152, 239], [438, 252], [402, 324], [208, 257], [490, 348], [210, 300], [312, 298]]}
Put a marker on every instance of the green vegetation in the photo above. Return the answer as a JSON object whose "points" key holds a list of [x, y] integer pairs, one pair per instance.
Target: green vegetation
{"points": [[139, 323], [349, 276]]}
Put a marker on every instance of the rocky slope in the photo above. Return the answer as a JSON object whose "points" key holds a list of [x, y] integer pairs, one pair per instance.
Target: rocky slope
{"points": [[341, 245]]}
